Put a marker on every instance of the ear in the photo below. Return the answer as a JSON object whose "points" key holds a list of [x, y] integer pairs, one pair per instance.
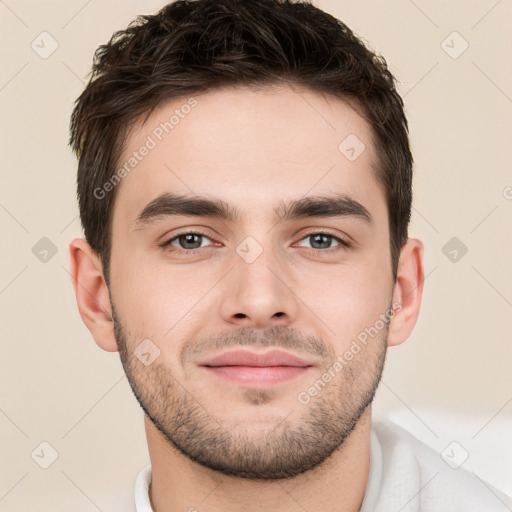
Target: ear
{"points": [[407, 292], [92, 295]]}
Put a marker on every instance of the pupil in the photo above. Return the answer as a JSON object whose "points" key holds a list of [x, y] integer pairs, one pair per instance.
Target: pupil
{"points": [[318, 239], [189, 239]]}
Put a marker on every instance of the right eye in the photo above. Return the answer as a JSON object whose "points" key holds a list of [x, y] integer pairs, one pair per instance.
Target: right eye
{"points": [[186, 242]]}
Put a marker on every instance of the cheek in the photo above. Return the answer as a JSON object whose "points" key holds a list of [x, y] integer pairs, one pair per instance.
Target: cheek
{"points": [[159, 300], [348, 299]]}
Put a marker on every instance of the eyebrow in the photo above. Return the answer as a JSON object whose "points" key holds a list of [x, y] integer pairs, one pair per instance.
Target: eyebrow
{"points": [[334, 205]]}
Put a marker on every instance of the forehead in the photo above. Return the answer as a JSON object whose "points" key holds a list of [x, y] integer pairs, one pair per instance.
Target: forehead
{"points": [[253, 148]]}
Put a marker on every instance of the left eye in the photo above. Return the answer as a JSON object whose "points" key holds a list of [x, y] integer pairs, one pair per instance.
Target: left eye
{"points": [[323, 240]]}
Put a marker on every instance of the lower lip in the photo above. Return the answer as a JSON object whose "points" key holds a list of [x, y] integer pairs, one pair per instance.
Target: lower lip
{"points": [[259, 375]]}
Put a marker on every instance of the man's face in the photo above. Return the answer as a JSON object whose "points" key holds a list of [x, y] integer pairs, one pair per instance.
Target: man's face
{"points": [[222, 330]]}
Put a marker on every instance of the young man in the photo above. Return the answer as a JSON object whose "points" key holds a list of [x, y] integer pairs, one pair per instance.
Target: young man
{"points": [[244, 184]]}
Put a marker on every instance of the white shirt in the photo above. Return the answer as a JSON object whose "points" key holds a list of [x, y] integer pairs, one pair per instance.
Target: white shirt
{"points": [[405, 476]]}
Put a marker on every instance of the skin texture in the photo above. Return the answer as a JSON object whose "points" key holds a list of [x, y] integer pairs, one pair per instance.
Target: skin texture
{"points": [[256, 447]]}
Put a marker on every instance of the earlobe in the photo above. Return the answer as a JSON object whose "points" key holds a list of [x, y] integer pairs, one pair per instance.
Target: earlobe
{"points": [[92, 295], [407, 292]]}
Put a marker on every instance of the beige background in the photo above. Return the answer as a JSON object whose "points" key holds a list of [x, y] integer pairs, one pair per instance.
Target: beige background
{"points": [[450, 381]]}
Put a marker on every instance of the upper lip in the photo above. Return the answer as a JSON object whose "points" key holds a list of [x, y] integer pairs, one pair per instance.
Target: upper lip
{"points": [[242, 357]]}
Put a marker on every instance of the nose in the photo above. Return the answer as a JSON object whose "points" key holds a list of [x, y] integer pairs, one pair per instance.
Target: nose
{"points": [[258, 294]]}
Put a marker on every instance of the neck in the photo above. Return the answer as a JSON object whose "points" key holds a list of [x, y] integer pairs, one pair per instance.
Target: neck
{"points": [[338, 484]]}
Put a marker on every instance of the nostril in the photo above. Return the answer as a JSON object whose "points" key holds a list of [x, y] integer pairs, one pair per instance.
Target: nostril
{"points": [[240, 315]]}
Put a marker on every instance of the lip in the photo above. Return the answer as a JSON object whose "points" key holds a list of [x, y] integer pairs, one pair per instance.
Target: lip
{"points": [[256, 369], [242, 357]]}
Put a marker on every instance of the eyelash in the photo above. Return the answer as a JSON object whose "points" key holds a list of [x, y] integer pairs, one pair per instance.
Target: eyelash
{"points": [[344, 244]]}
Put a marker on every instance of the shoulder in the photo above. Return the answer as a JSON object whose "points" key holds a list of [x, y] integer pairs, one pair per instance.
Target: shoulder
{"points": [[413, 476]]}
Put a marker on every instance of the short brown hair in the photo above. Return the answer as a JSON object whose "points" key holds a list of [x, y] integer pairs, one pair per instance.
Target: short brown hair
{"points": [[194, 46]]}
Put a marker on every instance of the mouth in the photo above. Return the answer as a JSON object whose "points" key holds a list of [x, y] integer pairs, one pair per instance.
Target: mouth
{"points": [[256, 369]]}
